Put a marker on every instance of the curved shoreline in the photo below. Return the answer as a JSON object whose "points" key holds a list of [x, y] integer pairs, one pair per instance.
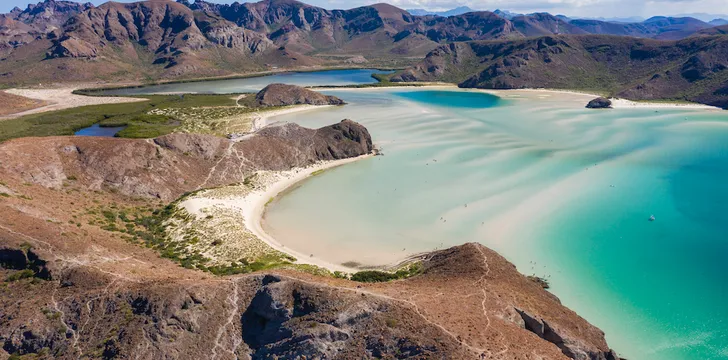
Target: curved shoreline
{"points": [[251, 205], [256, 202]]}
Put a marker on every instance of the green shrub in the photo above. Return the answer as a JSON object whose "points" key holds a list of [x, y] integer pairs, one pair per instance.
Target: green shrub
{"points": [[373, 276], [19, 275]]}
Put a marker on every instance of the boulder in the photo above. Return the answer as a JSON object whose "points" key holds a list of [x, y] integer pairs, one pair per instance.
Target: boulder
{"points": [[284, 95], [599, 103]]}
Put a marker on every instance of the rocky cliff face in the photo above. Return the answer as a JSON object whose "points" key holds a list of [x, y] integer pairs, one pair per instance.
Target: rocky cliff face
{"points": [[172, 164], [161, 38], [37, 21], [75, 288], [284, 314], [285, 95], [692, 69]]}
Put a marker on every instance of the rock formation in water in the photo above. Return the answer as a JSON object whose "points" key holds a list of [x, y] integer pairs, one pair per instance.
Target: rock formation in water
{"points": [[284, 95], [599, 103]]}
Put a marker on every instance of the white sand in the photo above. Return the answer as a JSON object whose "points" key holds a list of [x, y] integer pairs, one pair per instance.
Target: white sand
{"points": [[628, 104], [262, 119], [616, 103], [63, 98], [253, 204]]}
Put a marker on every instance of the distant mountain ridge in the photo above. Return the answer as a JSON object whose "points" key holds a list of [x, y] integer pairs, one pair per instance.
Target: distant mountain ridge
{"points": [[166, 39], [693, 69], [452, 12], [22, 26]]}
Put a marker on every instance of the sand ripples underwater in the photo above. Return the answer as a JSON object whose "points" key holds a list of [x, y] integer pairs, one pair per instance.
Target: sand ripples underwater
{"points": [[562, 191]]}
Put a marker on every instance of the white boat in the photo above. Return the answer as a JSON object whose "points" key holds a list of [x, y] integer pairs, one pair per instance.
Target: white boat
{"points": [[652, 217]]}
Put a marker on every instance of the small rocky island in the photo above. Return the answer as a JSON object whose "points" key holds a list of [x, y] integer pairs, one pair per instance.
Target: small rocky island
{"points": [[599, 103], [284, 95]]}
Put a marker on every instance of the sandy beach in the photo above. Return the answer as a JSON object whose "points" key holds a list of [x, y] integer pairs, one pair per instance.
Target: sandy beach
{"points": [[585, 97], [262, 119], [62, 98], [252, 205]]}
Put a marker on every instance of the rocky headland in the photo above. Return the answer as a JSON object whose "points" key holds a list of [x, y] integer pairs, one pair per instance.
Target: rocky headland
{"points": [[284, 95], [65, 246]]}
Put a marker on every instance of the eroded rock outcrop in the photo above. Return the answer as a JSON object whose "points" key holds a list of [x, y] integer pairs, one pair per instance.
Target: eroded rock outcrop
{"points": [[599, 103], [284, 95], [574, 348], [170, 165], [159, 310]]}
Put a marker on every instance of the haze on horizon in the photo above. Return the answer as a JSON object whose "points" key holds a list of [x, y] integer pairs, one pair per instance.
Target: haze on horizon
{"points": [[572, 8]]}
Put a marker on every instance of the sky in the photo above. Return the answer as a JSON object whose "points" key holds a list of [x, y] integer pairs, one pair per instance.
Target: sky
{"points": [[573, 8]]}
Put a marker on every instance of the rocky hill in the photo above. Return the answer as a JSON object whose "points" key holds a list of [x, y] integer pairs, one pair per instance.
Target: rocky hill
{"points": [[37, 21], [74, 287], [181, 162], [284, 95], [693, 69], [164, 39]]}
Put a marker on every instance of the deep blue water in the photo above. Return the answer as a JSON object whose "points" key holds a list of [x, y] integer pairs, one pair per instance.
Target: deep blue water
{"points": [[96, 130]]}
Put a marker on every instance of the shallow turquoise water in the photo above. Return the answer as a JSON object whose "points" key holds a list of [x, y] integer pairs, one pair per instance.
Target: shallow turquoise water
{"points": [[559, 190], [229, 86]]}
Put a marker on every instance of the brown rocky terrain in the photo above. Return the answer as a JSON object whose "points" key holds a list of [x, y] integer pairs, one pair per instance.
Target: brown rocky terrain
{"points": [[73, 288], [159, 39], [284, 95], [37, 21], [13, 103], [693, 69], [181, 162]]}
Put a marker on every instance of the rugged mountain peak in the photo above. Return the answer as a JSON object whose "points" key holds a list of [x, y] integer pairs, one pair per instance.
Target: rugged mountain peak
{"points": [[164, 27]]}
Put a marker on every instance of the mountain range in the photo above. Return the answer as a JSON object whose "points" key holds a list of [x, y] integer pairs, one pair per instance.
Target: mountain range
{"points": [[452, 12], [159, 39], [693, 69]]}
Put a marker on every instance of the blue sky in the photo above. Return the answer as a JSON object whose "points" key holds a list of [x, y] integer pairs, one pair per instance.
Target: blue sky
{"points": [[584, 8]]}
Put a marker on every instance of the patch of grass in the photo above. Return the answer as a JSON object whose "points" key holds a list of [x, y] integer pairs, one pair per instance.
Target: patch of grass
{"points": [[373, 276], [383, 276], [149, 228], [135, 115], [391, 322], [20, 275]]}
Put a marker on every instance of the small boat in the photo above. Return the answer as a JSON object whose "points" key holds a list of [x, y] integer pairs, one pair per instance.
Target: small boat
{"points": [[652, 218]]}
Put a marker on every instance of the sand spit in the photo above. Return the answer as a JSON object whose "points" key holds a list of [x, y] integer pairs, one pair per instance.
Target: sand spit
{"points": [[616, 102], [63, 98], [262, 118], [252, 204]]}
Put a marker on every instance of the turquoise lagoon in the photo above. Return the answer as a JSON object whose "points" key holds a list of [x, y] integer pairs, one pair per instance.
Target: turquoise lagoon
{"points": [[561, 191]]}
